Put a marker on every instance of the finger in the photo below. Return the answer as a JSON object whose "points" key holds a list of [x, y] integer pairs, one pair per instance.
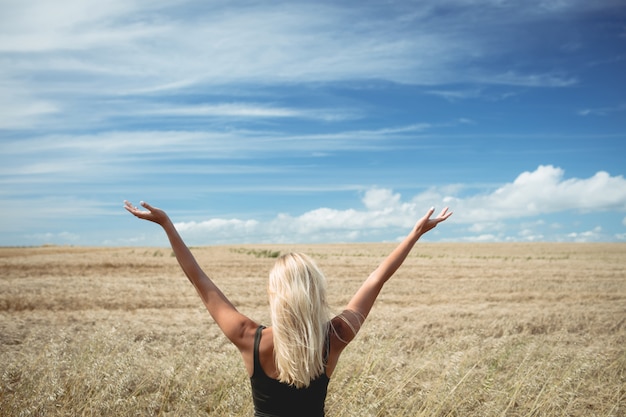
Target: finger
{"points": [[445, 214], [146, 205], [132, 209], [135, 212]]}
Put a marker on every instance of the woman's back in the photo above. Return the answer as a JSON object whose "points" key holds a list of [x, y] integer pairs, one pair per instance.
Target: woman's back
{"points": [[277, 399]]}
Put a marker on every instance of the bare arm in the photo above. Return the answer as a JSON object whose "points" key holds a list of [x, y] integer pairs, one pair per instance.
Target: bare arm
{"points": [[232, 323], [361, 303]]}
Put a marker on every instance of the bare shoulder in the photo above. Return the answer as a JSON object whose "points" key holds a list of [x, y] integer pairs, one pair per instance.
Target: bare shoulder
{"points": [[345, 326]]}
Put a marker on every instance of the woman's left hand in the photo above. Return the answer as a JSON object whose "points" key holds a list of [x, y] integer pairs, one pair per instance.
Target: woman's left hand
{"points": [[152, 214]]}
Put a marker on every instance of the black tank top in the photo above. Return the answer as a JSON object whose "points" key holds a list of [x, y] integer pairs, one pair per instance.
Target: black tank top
{"points": [[273, 398]]}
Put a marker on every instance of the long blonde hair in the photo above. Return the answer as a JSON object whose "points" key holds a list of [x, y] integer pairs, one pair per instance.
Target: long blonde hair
{"points": [[300, 318]]}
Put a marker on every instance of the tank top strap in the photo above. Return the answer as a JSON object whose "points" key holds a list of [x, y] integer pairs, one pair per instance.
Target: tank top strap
{"points": [[257, 341], [326, 349]]}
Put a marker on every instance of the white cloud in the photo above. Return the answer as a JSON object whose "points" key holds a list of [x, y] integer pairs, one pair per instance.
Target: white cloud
{"points": [[544, 191], [487, 226], [531, 194], [55, 238], [218, 229], [530, 235], [383, 212], [380, 199], [382, 215], [586, 236], [482, 238]]}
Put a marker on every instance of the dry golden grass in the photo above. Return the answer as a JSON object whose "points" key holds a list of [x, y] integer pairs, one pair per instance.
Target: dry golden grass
{"points": [[461, 330]]}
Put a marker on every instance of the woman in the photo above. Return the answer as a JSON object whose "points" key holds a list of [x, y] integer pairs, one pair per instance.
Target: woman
{"points": [[290, 363]]}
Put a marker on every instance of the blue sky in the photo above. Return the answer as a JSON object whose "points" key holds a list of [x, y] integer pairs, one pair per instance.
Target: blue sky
{"points": [[312, 121]]}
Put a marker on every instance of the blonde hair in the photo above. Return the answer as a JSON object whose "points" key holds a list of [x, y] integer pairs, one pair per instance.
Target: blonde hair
{"points": [[300, 318]]}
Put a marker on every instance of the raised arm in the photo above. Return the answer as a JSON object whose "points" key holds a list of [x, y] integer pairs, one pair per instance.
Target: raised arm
{"points": [[232, 323], [361, 303]]}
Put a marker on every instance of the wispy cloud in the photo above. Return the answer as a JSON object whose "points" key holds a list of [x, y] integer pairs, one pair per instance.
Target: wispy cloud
{"points": [[137, 47], [127, 146], [39, 26], [459, 94], [238, 110], [550, 79], [602, 111]]}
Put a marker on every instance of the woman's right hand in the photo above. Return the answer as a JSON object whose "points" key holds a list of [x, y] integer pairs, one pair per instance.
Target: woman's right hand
{"points": [[152, 214], [426, 224]]}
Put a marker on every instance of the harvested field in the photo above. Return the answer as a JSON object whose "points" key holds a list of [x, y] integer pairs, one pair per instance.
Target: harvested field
{"points": [[512, 329]]}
